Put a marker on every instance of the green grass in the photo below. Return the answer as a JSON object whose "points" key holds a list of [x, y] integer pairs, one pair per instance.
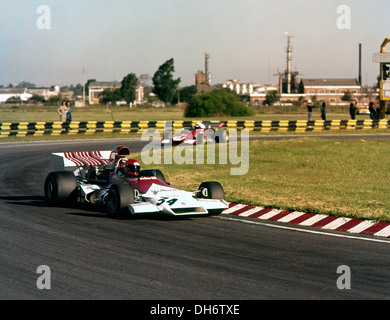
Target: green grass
{"points": [[36, 113], [45, 113], [342, 178]]}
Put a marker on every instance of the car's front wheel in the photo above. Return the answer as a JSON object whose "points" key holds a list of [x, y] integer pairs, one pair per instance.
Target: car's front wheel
{"points": [[211, 190], [118, 199]]}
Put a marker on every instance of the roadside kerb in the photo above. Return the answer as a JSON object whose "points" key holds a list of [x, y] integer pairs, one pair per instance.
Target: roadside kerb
{"points": [[351, 225]]}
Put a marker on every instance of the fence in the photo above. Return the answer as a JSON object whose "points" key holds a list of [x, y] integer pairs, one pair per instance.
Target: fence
{"points": [[126, 127]]}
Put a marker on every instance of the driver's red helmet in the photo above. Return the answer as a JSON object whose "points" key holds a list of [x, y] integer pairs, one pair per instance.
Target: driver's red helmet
{"points": [[119, 152], [133, 167]]}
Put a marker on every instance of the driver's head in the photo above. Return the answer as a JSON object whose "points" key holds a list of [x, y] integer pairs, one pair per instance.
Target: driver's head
{"points": [[200, 125], [119, 152], [133, 167]]}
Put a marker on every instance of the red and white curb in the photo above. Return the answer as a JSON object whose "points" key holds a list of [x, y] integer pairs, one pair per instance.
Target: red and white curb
{"points": [[351, 225]]}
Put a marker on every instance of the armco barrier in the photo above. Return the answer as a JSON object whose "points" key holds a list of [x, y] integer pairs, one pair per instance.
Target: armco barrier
{"points": [[125, 127]]}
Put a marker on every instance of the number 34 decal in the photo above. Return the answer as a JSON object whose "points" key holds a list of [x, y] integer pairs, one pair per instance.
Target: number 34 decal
{"points": [[170, 202]]}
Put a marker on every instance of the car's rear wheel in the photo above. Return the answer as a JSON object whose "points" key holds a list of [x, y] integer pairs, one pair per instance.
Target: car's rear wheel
{"points": [[118, 199], [61, 188]]}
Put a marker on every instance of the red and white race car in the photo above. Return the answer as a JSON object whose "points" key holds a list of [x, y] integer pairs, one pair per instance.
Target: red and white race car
{"points": [[110, 179], [203, 132]]}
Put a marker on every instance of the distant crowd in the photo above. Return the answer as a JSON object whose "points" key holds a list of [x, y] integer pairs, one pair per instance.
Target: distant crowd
{"points": [[375, 114]]}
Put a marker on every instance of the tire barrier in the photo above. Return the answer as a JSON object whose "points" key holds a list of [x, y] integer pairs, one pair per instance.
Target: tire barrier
{"points": [[126, 127]]}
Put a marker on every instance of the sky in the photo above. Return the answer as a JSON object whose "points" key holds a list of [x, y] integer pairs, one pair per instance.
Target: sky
{"points": [[246, 39]]}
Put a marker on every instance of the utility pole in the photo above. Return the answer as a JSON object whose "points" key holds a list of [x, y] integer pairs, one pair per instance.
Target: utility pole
{"points": [[289, 59], [207, 57], [83, 87], [360, 64]]}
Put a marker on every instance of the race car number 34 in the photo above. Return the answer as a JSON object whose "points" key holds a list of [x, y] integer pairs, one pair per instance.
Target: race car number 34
{"points": [[171, 202]]}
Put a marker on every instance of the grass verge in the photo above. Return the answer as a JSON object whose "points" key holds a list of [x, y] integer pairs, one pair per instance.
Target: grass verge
{"points": [[333, 177]]}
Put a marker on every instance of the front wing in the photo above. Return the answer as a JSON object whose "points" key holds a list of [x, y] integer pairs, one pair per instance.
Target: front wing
{"points": [[199, 207], [179, 203]]}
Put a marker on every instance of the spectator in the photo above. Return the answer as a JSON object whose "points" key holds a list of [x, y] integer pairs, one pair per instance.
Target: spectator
{"points": [[68, 112], [372, 111], [378, 114], [62, 111], [352, 111], [323, 111], [309, 109]]}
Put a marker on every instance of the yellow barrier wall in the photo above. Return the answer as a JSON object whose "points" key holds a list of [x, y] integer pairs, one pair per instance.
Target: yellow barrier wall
{"points": [[91, 127]]}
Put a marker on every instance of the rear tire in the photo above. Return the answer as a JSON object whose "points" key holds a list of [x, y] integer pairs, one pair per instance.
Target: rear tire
{"points": [[61, 187], [118, 199]]}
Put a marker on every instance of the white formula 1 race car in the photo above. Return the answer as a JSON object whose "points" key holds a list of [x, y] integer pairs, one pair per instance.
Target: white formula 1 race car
{"points": [[110, 179], [203, 132]]}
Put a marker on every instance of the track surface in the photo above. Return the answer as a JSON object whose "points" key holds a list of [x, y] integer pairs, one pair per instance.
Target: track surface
{"points": [[94, 257]]}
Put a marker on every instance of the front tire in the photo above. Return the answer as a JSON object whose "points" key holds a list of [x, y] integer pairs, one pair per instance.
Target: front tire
{"points": [[118, 199], [221, 136], [61, 187], [211, 190]]}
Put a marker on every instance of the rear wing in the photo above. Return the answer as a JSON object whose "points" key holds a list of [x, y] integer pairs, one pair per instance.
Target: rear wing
{"points": [[60, 161]]}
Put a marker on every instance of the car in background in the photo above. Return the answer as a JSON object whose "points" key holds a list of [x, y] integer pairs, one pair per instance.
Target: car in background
{"points": [[202, 132], [362, 109]]}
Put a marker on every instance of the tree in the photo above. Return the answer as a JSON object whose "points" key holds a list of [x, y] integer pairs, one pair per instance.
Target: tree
{"points": [[129, 85], [185, 94], [164, 84], [272, 97], [111, 95], [25, 84], [87, 85], [36, 98], [55, 99], [347, 96], [219, 102], [14, 99]]}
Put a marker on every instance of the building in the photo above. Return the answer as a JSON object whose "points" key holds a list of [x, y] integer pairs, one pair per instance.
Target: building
{"points": [[27, 93], [140, 94], [256, 92], [7, 93], [46, 93], [243, 88], [331, 91], [96, 88], [202, 82]]}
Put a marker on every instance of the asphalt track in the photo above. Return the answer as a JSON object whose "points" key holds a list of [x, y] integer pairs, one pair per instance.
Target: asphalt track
{"points": [[94, 257]]}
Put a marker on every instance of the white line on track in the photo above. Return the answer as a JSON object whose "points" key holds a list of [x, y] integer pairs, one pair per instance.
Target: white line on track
{"points": [[303, 230]]}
